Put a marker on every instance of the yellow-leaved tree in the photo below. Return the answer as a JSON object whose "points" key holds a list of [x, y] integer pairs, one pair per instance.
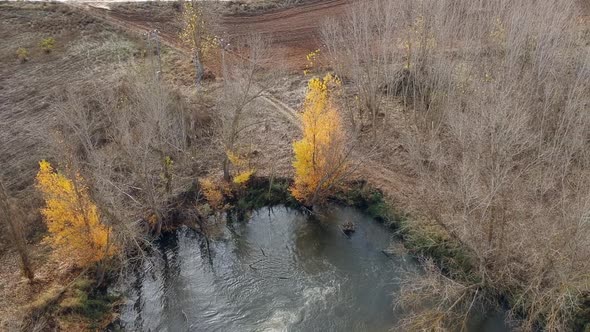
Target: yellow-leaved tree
{"points": [[72, 219], [320, 157], [196, 34]]}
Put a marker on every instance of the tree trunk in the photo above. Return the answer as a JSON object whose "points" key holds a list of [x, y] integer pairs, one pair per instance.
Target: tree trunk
{"points": [[159, 74], [490, 236], [374, 122], [158, 230], [9, 215], [26, 265], [21, 248], [101, 269], [226, 175], [199, 71]]}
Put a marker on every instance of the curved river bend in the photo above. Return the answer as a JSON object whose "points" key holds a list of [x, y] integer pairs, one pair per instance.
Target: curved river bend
{"points": [[279, 271]]}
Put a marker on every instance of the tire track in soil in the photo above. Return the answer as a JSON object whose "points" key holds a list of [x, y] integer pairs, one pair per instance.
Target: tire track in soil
{"points": [[170, 40]]}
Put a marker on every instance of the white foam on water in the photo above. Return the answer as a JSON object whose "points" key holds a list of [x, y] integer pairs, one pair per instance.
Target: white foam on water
{"points": [[279, 321], [317, 295]]}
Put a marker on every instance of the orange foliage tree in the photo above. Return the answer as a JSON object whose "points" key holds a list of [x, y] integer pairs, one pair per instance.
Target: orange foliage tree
{"points": [[320, 158], [72, 219], [213, 192]]}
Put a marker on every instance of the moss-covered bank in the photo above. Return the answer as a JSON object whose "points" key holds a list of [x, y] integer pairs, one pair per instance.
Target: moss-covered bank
{"points": [[81, 304], [420, 238]]}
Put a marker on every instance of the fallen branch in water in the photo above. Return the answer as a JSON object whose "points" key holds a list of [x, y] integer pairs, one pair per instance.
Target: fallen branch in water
{"points": [[343, 232], [253, 268]]}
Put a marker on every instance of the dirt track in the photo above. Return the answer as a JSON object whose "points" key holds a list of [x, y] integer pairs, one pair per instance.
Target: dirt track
{"points": [[166, 24], [294, 31]]}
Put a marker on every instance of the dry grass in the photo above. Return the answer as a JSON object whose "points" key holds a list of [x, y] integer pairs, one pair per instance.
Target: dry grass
{"points": [[85, 50], [18, 295]]}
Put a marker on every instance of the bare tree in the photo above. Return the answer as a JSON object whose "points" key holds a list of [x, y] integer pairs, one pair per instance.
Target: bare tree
{"points": [[242, 86], [434, 302], [497, 141], [494, 154], [148, 131], [360, 48], [132, 143]]}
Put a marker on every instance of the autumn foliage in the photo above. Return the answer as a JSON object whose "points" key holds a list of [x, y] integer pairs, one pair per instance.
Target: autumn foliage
{"points": [[72, 219], [242, 164], [196, 35], [319, 156], [195, 32], [215, 192]]}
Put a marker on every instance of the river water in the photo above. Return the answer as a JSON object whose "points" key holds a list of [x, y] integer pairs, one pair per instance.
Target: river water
{"points": [[280, 271]]}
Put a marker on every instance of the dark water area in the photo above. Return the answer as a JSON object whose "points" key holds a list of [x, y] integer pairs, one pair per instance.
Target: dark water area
{"points": [[280, 271]]}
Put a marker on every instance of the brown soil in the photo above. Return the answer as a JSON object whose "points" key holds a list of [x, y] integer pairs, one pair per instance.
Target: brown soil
{"points": [[294, 31]]}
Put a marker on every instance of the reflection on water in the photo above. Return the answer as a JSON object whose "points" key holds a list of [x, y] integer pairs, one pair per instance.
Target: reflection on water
{"points": [[278, 272]]}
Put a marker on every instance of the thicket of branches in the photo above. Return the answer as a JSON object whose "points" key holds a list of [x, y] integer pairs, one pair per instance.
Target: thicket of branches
{"points": [[241, 89], [137, 146], [497, 98]]}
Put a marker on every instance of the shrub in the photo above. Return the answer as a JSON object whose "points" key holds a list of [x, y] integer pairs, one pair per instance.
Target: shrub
{"points": [[215, 192], [22, 54], [47, 44]]}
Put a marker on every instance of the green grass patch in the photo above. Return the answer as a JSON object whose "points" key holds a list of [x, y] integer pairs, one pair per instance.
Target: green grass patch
{"points": [[86, 301], [370, 201], [261, 192], [45, 301]]}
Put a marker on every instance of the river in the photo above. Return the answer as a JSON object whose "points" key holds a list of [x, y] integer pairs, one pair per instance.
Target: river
{"points": [[280, 271]]}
